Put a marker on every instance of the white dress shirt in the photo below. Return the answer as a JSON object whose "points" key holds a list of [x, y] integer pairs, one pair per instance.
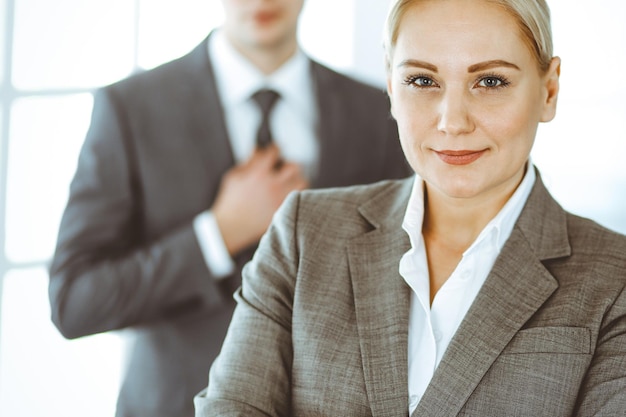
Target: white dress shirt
{"points": [[293, 124], [431, 327]]}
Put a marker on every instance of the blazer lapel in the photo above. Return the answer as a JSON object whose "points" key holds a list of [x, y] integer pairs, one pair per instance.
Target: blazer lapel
{"points": [[382, 302], [204, 113], [514, 290], [330, 129]]}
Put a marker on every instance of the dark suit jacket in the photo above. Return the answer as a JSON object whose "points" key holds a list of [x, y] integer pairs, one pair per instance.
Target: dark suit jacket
{"points": [[127, 255], [321, 326]]}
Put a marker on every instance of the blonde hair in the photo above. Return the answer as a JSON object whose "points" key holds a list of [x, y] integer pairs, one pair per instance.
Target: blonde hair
{"points": [[532, 16]]}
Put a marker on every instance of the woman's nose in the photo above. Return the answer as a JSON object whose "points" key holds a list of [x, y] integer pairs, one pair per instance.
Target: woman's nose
{"points": [[454, 114]]}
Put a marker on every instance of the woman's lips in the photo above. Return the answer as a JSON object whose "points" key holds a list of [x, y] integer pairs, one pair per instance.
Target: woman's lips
{"points": [[462, 157]]}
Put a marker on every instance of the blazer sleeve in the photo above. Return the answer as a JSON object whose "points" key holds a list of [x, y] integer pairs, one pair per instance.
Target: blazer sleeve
{"points": [[603, 392], [104, 274], [251, 376]]}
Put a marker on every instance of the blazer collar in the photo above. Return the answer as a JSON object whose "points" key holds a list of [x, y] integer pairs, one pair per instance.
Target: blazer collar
{"points": [[200, 102], [516, 288], [331, 128], [339, 129], [382, 300]]}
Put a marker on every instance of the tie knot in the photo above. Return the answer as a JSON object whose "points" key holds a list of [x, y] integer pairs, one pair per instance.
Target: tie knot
{"points": [[265, 99]]}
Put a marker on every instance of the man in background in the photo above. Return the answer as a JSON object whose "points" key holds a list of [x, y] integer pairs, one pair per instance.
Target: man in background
{"points": [[181, 171]]}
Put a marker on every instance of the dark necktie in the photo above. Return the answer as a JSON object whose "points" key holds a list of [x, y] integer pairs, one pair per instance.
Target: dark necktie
{"points": [[265, 99]]}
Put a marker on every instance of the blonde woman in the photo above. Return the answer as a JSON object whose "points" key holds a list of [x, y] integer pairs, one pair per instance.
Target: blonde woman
{"points": [[463, 290]]}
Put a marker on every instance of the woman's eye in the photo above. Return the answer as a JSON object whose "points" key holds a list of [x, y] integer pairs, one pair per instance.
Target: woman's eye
{"points": [[423, 82], [492, 82], [420, 81]]}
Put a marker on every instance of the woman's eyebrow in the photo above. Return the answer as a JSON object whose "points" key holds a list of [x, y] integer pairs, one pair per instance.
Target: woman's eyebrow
{"points": [[418, 64], [481, 66]]}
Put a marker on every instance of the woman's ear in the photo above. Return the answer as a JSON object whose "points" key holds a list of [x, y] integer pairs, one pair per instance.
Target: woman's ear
{"points": [[389, 93], [551, 85]]}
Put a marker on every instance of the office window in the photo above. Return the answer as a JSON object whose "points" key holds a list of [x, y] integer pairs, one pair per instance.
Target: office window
{"points": [[54, 54], [71, 43], [42, 161]]}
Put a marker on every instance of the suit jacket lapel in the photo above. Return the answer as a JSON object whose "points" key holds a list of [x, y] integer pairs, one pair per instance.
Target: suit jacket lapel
{"points": [[514, 290], [203, 111], [331, 127], [382, 301]]}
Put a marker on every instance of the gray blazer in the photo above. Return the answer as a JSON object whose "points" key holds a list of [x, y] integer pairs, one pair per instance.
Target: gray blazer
{"points": [[321, 326], [127, 255]]}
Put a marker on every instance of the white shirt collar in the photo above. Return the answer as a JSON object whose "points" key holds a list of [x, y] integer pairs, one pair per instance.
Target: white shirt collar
{"points": [[237, 79], [502, 224]]}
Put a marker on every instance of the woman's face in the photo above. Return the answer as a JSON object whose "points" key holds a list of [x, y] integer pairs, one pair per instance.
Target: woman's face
{"points": [[467, 95]]}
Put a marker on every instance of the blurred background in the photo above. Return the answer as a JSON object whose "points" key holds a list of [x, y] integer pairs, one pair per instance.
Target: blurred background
{"points": [[53, 54]]}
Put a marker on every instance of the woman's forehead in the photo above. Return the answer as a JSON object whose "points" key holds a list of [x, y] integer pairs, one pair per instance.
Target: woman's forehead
{"points": [[458, 31]]}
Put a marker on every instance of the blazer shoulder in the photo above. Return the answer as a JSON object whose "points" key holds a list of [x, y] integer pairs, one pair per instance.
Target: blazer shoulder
{"points": [[178, 75], [335, 214], [596, 243], [354, 195], [377, 202]]}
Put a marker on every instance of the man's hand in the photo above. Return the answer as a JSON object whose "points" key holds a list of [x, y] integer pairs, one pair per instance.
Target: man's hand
{"points": [[250, 194]]}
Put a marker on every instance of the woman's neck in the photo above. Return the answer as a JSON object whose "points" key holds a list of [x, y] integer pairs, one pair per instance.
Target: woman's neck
{"points": [[450, 227], [459, 221]]}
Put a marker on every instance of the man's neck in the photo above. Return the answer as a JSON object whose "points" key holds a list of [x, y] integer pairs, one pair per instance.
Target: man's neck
{"points": [[266, 59]]}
